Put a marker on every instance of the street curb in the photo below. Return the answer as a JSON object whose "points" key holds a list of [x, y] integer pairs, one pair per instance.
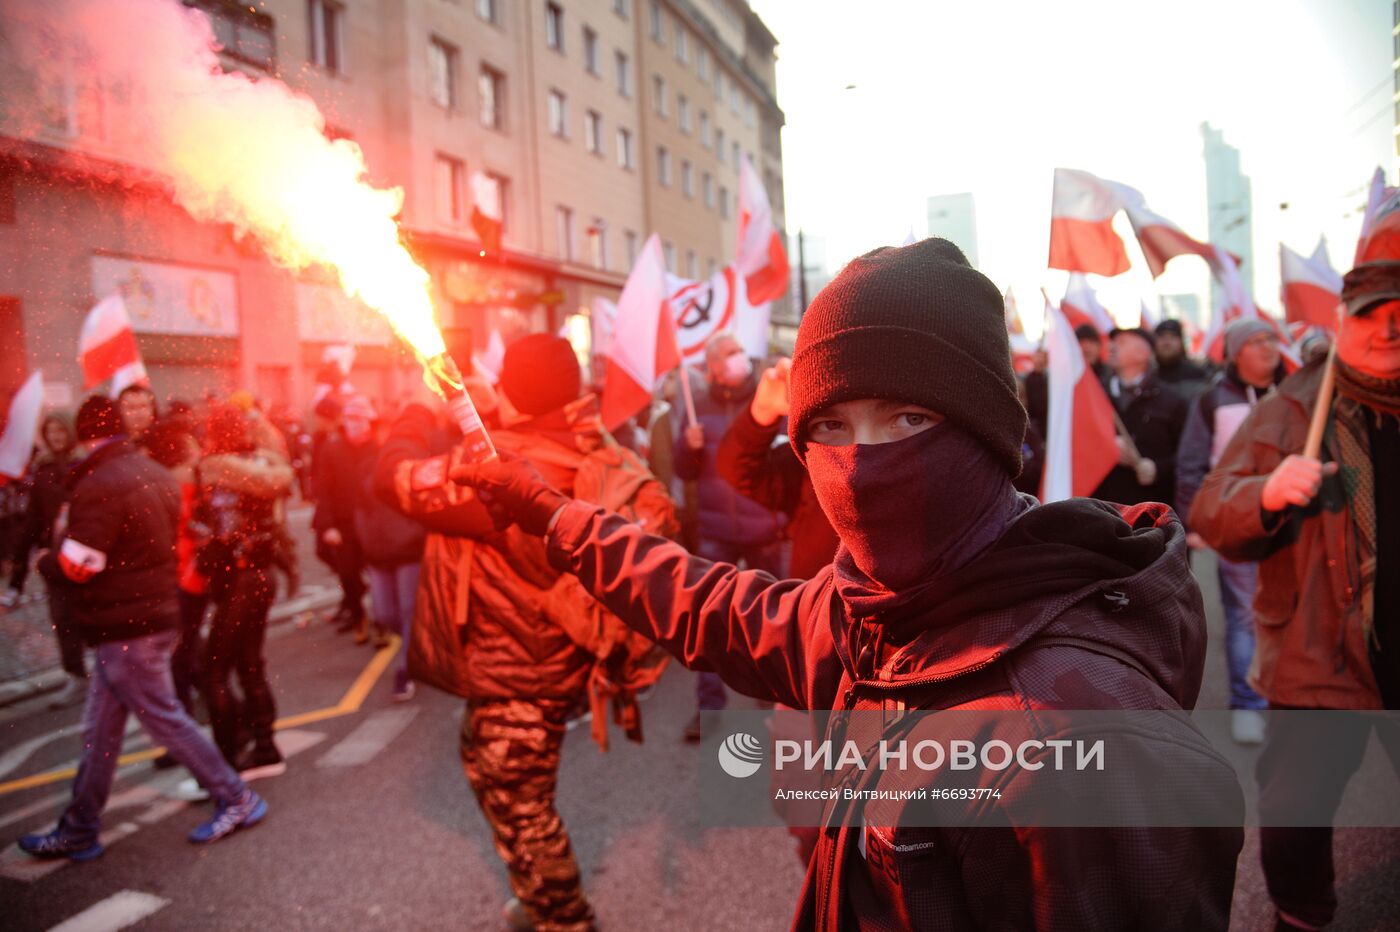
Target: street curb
{"points": [[51, 680]]}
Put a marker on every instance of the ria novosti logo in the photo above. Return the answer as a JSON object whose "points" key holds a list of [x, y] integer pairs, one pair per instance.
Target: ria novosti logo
{"points": [[741, 755]]}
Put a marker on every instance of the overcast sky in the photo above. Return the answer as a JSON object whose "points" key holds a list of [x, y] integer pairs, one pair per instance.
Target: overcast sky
{"points": [[956, 96]]}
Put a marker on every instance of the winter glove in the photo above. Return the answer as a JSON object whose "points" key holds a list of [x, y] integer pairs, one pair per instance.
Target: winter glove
{"points": [[513, 492]]}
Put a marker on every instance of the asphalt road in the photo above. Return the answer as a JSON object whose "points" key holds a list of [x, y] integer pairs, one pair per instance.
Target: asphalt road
{"points": [[374, 825]]}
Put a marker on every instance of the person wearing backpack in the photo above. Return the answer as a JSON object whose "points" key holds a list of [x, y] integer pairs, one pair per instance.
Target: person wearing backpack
{"points": [[392, 546], [496, 625], [950, 590]]}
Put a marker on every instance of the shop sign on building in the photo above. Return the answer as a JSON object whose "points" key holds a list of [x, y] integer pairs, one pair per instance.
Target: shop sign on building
{"points": [[168, 298]]}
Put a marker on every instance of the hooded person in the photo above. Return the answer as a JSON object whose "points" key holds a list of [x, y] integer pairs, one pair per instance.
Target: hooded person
{"points": [[949, 590], [495, 624]]}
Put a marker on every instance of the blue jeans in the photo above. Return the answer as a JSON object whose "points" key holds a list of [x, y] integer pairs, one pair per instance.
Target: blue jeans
{"points": [[709, 688], [134, 676], [392, 593], [1237, 594]]}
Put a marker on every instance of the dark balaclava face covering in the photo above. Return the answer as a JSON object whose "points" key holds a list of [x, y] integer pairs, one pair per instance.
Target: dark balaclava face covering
{"points": [[910, 512]]}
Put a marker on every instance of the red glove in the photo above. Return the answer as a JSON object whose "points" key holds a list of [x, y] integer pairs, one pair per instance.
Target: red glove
{"points": [[513, 492]]}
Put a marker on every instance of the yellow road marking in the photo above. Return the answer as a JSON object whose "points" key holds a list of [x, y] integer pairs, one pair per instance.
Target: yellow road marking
{"points": [[349, 704]]}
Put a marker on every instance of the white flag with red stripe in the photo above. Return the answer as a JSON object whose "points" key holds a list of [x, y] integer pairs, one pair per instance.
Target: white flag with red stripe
{"points": [[643, 347], [1377, 195], [1161, 240], [1148, 319], [107, 347], [1309, 287], [1080, 444], [1081, 305], [762, 257], [1082, 238], [17, 442], [1022, 349]]}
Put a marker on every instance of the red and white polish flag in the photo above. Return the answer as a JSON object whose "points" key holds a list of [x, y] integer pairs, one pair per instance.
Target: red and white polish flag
{"points": [[487, 217], [17, 442], [1022, 349], [1161, 240], [1081, 305], [643, 347], [1148, 319], [107, 347], [762, 257], [1082, 238], [1309, 287], [1080, 445]]}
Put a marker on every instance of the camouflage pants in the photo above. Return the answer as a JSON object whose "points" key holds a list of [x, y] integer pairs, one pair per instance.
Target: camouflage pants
{"points": [[510, 751]]}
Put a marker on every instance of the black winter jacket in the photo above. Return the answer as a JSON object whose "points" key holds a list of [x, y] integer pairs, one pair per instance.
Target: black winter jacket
{"points": [[122, 521]]}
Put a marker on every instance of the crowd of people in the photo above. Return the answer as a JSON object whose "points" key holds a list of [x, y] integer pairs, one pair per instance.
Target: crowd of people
{"points": [[816, 534]]}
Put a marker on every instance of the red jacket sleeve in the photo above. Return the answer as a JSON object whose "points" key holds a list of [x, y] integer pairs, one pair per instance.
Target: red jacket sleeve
{"points": [[766, 638]]}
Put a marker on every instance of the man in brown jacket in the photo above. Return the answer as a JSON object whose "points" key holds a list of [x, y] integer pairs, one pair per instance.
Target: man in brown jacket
{"points": [[1327, 609]]}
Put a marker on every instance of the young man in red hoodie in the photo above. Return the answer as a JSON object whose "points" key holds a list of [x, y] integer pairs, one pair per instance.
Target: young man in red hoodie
{"points": [[950, 590]]}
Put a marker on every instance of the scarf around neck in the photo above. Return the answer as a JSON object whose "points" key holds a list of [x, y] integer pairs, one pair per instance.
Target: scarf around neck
{"points": [[910, 512]]}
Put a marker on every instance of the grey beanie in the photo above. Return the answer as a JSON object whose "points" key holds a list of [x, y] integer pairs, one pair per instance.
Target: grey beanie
{"points": [[1239, 331]]}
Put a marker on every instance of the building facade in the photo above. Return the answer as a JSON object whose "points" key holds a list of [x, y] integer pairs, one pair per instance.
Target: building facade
{"points": [[954, 217], [1229, 207], [545, 108]]}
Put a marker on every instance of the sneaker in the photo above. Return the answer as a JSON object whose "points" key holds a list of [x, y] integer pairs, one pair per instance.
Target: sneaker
{"points": [[249, 810], [1247, 726], [261, 761], [403, 686], [190, 791], [73, 692], [10, 598], [56, 845], [517, 917]]}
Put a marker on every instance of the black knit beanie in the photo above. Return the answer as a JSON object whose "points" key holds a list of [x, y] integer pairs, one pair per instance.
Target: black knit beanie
{"points": [[540, 374], [915, 324], [97, 419]]}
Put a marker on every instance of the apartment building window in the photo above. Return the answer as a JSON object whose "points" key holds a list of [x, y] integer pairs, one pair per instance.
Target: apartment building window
{"points": [[707, 189], [683, 113], [626, 158], [598, 242], [658, 94], [687, 178], [750, 112], [593, 132], [449, 176], [442, 73], [734, 97], [692, 264], [491, 88], [711, 267], [668, 249], [590, 51], [705, 135], [663, 165], [658, 27], [724, 202], [558, 114], [243, 34], [624, 73], [486, 9], [719, 145], [327, 25], [682, 45], [702, 62], [564, 231], [622, 8], [554, 26], [735, 152], [630, 238], [719, 83]]}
